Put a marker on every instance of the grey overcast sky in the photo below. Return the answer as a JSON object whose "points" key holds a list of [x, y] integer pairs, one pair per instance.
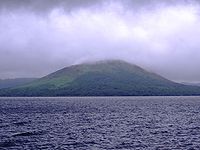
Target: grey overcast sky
{"points": [[38, 37]]}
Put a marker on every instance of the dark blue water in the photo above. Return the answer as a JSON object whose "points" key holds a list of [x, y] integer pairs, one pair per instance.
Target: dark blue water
{"points": [[100, 123]]}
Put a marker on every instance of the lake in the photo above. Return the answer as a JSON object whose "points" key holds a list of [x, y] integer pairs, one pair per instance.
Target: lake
{"points": [[100, 123]]}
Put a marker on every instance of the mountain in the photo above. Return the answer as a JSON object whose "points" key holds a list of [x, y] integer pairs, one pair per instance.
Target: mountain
{"points": [[103, 78], [9, 83]]}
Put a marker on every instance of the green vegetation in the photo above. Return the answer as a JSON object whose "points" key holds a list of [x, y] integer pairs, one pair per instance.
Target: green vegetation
{"points": [[105, 78]]}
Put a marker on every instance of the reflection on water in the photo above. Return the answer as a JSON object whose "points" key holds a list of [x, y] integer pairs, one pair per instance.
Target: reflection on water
{"points": [[100, 123]]}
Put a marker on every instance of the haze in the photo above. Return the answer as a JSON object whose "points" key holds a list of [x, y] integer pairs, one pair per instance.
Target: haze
{"points": [[38, 37]]}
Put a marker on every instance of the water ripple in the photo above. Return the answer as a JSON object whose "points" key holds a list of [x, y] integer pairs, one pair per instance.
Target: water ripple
{"points": [[100, 123]]}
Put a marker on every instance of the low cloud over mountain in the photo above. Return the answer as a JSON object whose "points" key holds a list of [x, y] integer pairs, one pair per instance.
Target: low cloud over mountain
{"points": [[38, 37]]}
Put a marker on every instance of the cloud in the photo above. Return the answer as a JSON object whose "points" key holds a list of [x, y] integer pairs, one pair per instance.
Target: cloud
{"points": [[161, 37], [45, 6]]}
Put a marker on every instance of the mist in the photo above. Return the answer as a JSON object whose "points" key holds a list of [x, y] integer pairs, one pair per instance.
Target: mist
{"points": [[40, 37]]}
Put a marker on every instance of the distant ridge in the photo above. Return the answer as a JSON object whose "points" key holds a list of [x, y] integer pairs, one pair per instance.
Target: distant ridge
{"points": [[193, 84], [10, 83], [102, 78]]}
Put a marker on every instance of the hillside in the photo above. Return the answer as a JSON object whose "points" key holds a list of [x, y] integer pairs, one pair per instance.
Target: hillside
{"points": [[9, 83], [103, 78]]}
